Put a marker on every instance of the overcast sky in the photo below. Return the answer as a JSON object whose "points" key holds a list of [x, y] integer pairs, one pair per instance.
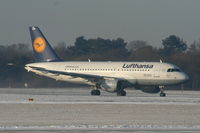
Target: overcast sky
{"points": [[65, 20]]}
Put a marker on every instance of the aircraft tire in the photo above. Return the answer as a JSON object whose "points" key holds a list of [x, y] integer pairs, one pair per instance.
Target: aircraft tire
{"points": [[162, 94], [121, 93], [95, 93]]}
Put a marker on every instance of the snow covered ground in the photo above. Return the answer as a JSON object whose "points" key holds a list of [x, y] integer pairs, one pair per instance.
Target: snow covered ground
{"points": [[75, 109], [76, 96]]}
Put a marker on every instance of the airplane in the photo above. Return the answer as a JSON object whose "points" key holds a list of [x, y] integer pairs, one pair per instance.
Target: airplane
{"points": [[150, 77]]}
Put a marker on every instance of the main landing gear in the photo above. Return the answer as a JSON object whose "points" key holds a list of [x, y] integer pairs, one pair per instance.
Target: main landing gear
{"points": [[120, 89], [162, 94], [121, 93], [96, 91]]}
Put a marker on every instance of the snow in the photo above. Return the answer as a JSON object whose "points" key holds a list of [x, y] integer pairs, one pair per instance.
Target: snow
{"points": [[65, 109], [107, 127]]}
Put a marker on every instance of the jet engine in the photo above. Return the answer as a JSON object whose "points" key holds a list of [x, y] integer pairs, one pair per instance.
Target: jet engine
{"points": [[109, 85]]}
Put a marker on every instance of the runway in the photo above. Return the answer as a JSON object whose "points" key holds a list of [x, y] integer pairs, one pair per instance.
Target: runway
{"points": [[74, 110]]}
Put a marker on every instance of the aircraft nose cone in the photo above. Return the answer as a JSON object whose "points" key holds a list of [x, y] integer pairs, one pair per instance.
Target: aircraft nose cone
{"points": [[185, 77]]}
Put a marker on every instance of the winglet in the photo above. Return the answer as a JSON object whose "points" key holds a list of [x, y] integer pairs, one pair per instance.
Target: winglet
{"points": [[42, 49]]}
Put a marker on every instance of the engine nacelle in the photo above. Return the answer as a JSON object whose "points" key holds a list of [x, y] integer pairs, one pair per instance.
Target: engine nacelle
{"points": [[109, 85]]}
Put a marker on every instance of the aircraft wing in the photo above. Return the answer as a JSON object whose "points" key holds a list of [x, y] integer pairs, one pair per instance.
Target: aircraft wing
{"points": [[89, 77]]}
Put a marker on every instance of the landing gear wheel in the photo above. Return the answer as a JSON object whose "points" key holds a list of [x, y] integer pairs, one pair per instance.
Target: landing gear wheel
{"points": [[162, 94], [95, 93], [121, 93]]}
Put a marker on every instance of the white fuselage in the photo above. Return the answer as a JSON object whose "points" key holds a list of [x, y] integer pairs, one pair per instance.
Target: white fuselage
{"points": [[141, 73]]}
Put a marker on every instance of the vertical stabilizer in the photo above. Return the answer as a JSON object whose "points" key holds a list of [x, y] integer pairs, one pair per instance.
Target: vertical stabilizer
{"points": [[42, 49]]}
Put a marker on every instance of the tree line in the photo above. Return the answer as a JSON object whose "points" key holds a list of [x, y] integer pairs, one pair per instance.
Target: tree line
{"points": [[173, 49]]}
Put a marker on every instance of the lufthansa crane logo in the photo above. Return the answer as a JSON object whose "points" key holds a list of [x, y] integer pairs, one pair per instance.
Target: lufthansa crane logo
{"points": [[39, 44]]}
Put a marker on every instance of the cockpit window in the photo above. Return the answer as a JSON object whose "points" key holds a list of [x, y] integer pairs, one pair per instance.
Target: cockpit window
{"points": [[173, 70]]}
